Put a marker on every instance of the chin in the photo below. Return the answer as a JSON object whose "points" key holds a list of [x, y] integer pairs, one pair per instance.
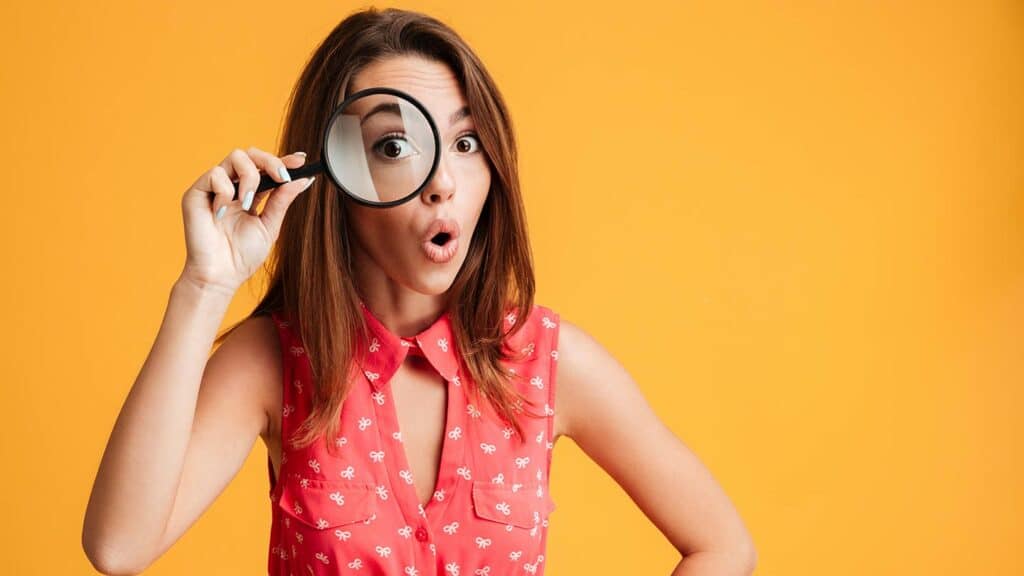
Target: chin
{"points": [[434, 284], [435, 279]]}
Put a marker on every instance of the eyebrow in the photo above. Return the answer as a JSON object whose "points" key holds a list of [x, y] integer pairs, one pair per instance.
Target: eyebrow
{"points": [[392, 108], [459, 115]]}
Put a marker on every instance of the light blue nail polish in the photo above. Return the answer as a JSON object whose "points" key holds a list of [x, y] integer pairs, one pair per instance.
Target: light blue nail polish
{"points": [[221, 211], [284, 174], [248, 199]]}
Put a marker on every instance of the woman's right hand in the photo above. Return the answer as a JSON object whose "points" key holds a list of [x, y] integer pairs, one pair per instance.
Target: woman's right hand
{"points": [[222, 253]]}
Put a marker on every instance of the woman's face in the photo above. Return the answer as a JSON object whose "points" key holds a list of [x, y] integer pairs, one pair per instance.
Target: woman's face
{"points": [[392, 243]]}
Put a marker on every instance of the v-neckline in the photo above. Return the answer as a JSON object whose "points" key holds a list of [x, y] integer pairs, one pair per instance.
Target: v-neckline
{"points": [[452, 449]]}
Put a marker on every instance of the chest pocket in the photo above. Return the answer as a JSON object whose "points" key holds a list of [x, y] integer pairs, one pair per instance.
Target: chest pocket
{"points": [[324, 504], [521, 507]]}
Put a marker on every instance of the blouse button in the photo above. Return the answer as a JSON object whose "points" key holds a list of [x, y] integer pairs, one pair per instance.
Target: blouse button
{"points": [[421, 534]]}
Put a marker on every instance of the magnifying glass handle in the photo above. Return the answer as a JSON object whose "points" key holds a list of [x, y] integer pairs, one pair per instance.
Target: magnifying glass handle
{"points": [[267, 182]]}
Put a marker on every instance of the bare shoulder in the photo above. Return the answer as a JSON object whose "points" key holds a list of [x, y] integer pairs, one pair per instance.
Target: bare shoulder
{"points": [[606, 414], [252, 353], [582, 361], [238, 385]]}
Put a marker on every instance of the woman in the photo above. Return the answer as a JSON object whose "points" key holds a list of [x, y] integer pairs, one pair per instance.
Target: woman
{"points": [[456, 386]]}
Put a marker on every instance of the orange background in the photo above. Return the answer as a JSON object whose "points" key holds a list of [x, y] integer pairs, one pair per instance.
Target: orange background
{"points": [[797, 224]]}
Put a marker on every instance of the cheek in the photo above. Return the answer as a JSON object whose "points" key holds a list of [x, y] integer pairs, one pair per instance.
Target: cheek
{"points": [[475, 182], [378, 230], [370, 228], [479, 175]]}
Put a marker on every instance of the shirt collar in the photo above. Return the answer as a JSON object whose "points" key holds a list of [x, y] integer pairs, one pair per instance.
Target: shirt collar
{"points": [[383, 352]]}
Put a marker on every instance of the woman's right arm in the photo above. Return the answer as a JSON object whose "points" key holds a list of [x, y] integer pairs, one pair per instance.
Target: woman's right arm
{"points": [[190, 420]]}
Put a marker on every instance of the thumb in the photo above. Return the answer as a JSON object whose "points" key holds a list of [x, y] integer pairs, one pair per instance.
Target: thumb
{"points": [[279, 201]]}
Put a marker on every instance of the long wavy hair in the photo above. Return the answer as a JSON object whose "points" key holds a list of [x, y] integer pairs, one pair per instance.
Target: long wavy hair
{"points": [[309, 270]]}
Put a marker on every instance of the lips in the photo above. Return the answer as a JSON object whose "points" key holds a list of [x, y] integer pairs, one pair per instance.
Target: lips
{"points": [[441, 240]]}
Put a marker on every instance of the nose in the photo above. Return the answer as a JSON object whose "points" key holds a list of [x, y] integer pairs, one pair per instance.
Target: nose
{"points": [[441, 186]]}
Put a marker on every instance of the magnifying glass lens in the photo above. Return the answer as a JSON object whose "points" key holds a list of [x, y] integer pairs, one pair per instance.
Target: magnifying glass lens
{"points": [[380, 148]]}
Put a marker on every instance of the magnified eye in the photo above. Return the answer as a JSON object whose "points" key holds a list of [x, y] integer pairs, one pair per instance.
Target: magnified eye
{"points": [[395, 147], [468, 143]]}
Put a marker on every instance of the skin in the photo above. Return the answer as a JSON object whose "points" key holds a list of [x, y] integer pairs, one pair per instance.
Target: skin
{"points": [[398, 282], [203, 429], [402, 287]]}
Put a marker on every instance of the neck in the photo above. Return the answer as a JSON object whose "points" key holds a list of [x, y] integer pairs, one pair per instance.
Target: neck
{"points": [[401, 310]]}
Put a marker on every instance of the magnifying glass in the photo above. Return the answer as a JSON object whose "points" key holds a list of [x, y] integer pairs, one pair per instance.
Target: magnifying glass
{"points": [[380, 147]]}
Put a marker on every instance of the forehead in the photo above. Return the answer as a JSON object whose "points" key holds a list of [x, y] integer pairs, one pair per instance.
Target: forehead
{"points": [[431, 82]]}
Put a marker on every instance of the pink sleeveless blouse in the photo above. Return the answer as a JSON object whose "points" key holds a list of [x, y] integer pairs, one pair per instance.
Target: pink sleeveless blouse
{"points": [[357, 512]]}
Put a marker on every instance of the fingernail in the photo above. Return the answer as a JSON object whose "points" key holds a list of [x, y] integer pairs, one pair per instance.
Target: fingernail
{"points": [[306, 187], [303, 154], [284, 174], [248, 199], [221, 211]]}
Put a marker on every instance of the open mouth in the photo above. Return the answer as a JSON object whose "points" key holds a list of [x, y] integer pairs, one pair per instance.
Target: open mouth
{"points": [[441, 246]]}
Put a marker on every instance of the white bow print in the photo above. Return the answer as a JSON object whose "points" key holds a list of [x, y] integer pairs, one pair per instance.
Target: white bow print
{"points": [[483, 542]]}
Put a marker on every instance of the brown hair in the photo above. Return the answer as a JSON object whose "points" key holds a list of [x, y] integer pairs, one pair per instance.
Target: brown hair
{"points": [[309, 270]]}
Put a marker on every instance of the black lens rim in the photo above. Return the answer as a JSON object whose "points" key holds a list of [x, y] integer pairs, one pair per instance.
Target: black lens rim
{"points": [[391, 92]]}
